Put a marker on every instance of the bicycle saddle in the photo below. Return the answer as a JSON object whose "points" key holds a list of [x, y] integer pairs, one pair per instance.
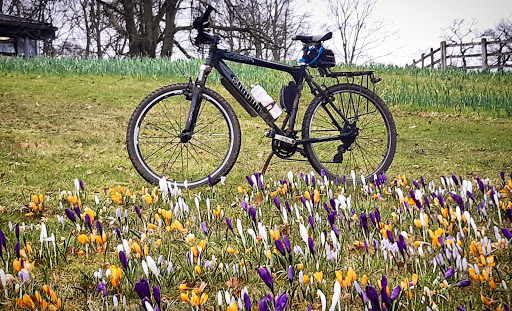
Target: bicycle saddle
{"points": [[313, 39]]}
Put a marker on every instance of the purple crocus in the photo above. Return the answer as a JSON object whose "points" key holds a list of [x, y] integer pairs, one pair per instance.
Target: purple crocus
{"points": [[311, 221], [142, 288], [228, 222], [70, 215], [508, 212], [102, 288], [390, 237], [266, 277], [118, 233], [100, 229], [81, 183], [331, 217], [506, 232], [281, 302], [249, 180], [464, 283], [203, 227], [363, 222], [17, 231], [263, 306], [137, 210], [373, 296], [280, 246], [210, 180], [441, 200], [461, 308], [290, 273], [156, 294], [402, 246], [122, 258], [252, 214], [277, 203], [372, 218], [311, 245], [88, 221], [395, 293], [377, 214], [335, 229], [18, 248], [3, 240], [287, 244], [77, 210], [449, 273], [247, 302]]}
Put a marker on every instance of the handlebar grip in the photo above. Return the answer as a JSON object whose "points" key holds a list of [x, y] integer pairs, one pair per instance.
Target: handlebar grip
{"points": [[201, 20]]}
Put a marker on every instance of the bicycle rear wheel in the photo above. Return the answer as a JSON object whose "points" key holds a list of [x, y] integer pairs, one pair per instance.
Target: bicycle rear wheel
{"points": [[156, 150], [369, 152]]}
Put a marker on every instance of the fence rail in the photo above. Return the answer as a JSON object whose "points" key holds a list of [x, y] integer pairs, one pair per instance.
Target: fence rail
{"points": [[440, 56]]}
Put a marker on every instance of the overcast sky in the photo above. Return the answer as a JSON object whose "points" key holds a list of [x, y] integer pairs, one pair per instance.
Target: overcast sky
{"points": [[420, 23]]}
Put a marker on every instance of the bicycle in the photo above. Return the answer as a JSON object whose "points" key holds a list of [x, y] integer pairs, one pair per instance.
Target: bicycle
{"points": [[190, 134]]}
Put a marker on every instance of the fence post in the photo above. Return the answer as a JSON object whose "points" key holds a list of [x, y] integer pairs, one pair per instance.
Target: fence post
{"points": [[27, 48], [485, 65], [422, 60], [431, 58], [443, 55]]}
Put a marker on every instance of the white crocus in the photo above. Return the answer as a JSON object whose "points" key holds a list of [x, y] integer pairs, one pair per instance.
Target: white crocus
{"points": [[152, 266], [336, 295], [290, 177], [219, 298], [303, 233], [241, 231], [145, 268], [353, 174], [322, 298]]}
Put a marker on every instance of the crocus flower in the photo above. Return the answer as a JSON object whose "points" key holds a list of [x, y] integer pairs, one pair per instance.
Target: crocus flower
{"points": [[311, 245], [263, 306], [373, 296], [249, 180], [279, 246], [377, 214], [395, 293], [88, 221], [18, 248], [100, 229], [142, 288], [228, 222], [156, 294], [363, 222], [247, 302], [122, 258], [277, 203], [372, 218], [281, 302], [77, 210], [287, 244], [311, 222], [506, 232], [137, 210], [464, 283], [118, 233], [402, 246], [70, 215], [290, 273], [101, 288], [266, 277], [449, 273], [252, 214]]}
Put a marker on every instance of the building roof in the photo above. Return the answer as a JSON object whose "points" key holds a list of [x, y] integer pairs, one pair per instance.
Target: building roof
{"points": [[13, 26]]}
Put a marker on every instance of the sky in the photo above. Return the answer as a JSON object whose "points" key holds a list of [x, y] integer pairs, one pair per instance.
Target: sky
{"points": [[420, 24]]}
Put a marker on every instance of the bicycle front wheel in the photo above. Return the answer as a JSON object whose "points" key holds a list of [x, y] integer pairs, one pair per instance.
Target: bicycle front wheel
{"points": [[156, 150], [371, 148]]}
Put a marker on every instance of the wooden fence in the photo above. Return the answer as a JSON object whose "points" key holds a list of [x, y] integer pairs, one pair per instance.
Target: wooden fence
{"points": [[492, 55]]}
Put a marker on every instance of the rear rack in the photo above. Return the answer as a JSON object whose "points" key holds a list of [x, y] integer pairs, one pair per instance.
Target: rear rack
{"points": [[365, 78]]}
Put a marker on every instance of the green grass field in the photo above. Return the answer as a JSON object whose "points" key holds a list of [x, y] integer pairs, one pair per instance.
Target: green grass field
{"points": [[62, 120]]}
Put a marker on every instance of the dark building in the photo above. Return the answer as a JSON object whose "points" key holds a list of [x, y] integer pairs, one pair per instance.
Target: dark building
{"points": [[20, 36]]}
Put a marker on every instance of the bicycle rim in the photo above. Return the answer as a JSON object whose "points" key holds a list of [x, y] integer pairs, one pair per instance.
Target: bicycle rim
{"points": [[209, 154], [372, 150]]}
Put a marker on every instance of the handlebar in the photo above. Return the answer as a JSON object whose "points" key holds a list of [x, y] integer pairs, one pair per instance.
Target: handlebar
{"points": [[200, 23]]}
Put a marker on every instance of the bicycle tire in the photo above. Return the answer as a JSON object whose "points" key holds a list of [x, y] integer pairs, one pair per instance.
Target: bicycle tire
{"points": [[156, 150], [373, 149]]}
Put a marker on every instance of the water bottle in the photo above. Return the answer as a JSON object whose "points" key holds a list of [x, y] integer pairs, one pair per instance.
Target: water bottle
{"points": [[259, 93]]}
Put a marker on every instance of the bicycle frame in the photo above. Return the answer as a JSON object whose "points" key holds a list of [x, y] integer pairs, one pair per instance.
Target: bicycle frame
{"points": [[238, 90]]}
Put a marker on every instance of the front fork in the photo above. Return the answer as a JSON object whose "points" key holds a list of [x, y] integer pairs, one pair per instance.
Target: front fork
{"points": [[195, 104]]}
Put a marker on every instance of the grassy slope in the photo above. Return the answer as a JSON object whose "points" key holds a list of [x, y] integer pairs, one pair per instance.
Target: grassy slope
{"points": [[54, 128]]}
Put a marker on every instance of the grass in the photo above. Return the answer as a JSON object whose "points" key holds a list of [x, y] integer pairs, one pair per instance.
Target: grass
{"points": [[61, 123]]}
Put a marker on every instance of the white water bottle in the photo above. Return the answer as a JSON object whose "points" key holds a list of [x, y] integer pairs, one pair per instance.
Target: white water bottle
{"points": [[259, 93]]}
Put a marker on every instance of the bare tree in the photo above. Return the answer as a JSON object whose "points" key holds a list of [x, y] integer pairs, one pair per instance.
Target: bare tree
{"points": [[458, 32], [360, 32], [502, 32]]}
